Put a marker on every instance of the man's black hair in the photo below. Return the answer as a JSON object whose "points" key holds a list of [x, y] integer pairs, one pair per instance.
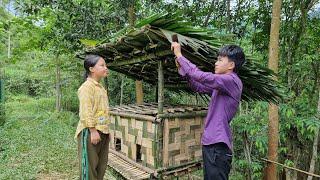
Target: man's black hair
{"points": [[235, 54]]}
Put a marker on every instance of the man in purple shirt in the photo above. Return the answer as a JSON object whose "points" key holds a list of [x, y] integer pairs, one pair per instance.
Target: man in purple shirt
{"points": [[225, 88]]}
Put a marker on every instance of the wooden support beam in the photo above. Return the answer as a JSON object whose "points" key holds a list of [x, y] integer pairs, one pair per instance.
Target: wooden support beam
{"points": [[181, 115], [139, 92], [160, 87], [132, 115], [195, 162], [135, 60], [165, 143]]}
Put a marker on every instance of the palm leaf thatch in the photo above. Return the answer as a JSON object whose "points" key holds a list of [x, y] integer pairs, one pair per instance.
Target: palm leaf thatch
{"points": [[136, 52]]}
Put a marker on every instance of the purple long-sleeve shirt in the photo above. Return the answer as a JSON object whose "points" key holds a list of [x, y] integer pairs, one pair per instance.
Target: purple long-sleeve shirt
{"points": [[225, 91]]}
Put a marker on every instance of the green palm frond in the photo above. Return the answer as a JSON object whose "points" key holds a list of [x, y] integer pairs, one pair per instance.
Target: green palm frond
{"points": [[135, 52]]}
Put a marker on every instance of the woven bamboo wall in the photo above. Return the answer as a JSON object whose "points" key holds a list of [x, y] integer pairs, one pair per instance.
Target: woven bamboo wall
{"points": [[182, 140], [133, 131]]}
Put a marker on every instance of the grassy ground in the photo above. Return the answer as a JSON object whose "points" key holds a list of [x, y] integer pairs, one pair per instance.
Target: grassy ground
{"points": [[37, 143]]}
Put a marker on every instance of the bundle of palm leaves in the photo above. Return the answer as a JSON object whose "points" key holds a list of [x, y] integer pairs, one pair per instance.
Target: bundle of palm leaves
{"points": [[136, 52]]}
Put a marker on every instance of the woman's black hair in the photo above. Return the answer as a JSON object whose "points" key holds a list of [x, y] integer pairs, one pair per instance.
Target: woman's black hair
{"points": [[235, 54], [90, 61]]}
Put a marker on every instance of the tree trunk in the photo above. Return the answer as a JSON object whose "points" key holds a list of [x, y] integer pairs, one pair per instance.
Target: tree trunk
{"points": [[295, 39], [273, 130], [2, 108], [228, 17], [315, 143], [58, 84], [160, 87], [121, 89], [205, 24], [247, 153], [132, 19], [292, 174], [131, 15], [139, 92], [296, 163], [9, 44]]}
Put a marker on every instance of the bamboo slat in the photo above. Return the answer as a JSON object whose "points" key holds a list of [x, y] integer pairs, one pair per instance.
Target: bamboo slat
{"points": [[128, 168], [166, 143], [160, 87], [152, 109]]}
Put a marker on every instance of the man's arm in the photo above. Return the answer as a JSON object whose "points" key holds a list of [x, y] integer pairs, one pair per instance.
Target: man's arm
{"points": [[198, 87], [222, 82]]}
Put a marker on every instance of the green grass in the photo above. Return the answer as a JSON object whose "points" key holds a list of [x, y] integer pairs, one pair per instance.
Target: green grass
{"points": [[36, 142]]}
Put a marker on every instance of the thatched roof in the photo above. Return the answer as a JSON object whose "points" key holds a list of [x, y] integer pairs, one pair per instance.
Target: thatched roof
{"points": [[136, 52]]}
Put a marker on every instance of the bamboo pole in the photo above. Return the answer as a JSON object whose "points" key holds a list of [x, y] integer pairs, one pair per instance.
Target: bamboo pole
{"points": [[181, 115], [160, 111], [165, 143], [140, 58], [183, 170], [158, 141], [144, 168], [292, 168], [160, 87], [134, 116], [196, 162]]}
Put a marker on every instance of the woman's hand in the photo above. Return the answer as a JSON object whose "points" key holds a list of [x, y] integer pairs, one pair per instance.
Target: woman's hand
{"points": [[95, 136]]}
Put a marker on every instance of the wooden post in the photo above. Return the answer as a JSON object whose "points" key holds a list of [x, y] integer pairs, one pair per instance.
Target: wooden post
{"points": [[315, 142], [166, 143], [160, 87], [139, 92], [121, 89], [160, 96]]}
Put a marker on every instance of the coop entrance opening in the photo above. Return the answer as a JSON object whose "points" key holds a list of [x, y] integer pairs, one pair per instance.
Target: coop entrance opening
{"points": [[138, 154], [118, 144]]}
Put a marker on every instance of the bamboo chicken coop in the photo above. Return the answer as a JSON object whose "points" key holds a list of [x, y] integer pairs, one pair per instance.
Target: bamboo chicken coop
{"points": [[159, 140]]}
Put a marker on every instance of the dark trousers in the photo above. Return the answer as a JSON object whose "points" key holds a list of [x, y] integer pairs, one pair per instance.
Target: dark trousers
{"points": [[97, 155], [217, 160]]}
